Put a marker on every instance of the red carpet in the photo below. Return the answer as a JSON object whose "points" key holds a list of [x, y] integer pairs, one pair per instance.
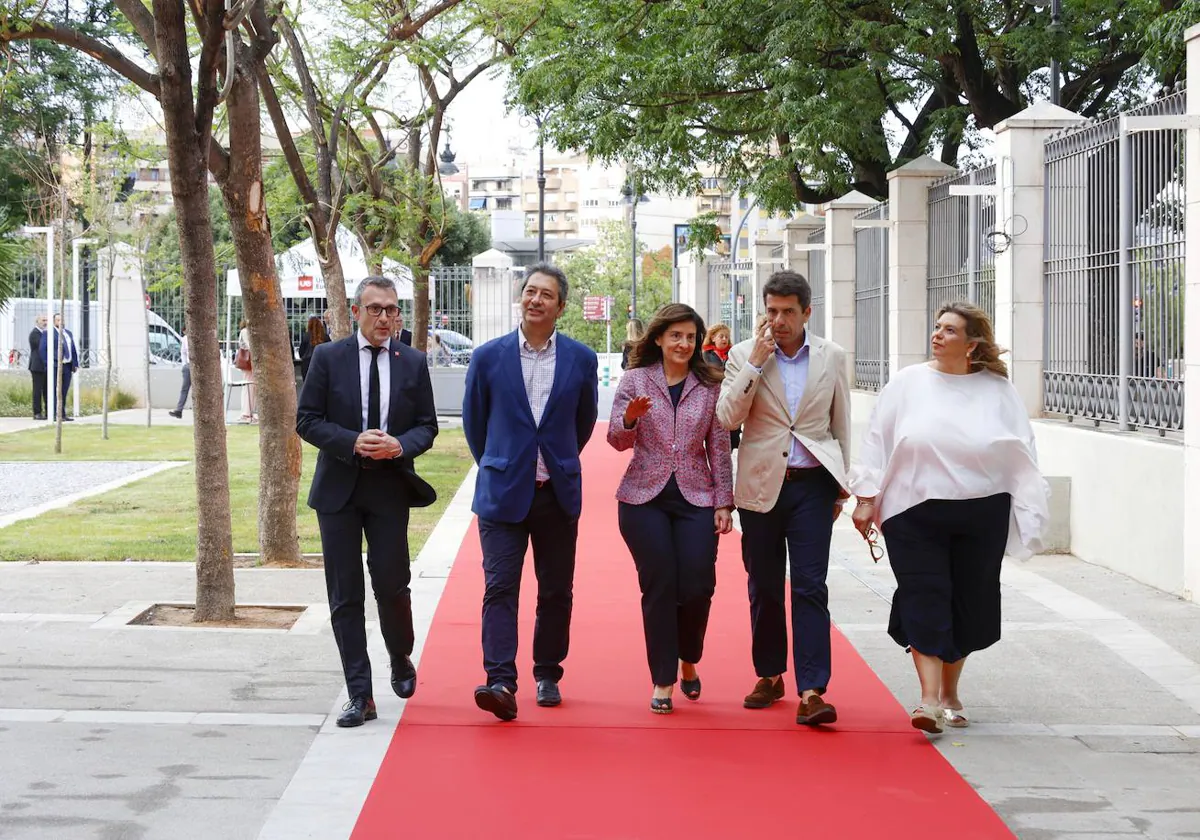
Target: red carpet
{"points": [[602, 766]]}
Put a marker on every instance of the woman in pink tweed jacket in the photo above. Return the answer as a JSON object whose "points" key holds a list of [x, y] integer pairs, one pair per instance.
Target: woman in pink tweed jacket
{"points": [[677, 494]]}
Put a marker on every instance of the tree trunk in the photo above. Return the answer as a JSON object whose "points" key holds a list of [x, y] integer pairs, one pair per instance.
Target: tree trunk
{"points": [[270, 342], [421, 315], [335, 290], [187, 154]]}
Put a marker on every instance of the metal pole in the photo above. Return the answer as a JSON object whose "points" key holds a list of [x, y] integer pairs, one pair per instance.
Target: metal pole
{"points": [[79, 313], [541, 182], [735, 327], [1055, 71], [633, 266], [973, 246], [1125, 275], [51, 369]]}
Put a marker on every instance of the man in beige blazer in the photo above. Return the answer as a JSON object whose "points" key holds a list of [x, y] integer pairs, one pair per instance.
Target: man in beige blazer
{"points": [[789, 390]]}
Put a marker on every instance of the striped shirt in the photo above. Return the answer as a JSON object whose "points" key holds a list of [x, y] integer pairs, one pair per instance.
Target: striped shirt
{"points": [[537, 366]]}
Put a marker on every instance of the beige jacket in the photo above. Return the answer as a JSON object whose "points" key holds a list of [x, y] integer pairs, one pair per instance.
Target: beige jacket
{"points": [[758, 404]]}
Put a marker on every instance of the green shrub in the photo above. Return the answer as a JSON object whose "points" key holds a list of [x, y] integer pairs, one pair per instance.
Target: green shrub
{"points": [[16, 400]]}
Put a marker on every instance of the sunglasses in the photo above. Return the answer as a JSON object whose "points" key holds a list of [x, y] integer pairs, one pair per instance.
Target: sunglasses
{"points": [[873, 543]]}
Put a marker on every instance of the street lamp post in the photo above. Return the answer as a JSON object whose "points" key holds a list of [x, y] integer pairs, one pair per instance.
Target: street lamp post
{"points": [[1056, 29], [51, 369], [631, 194], [541, 182]]}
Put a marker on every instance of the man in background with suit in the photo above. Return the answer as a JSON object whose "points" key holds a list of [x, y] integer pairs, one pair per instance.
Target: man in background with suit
{"points": [[367, 404], [791, 392], [529, 409], [49, 352], [37, 368], [402, 335]]}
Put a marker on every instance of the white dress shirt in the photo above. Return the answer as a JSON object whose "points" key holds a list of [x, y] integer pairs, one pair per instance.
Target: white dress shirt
{"points": [[183, 351], [537, 366], [364, 377], [793, 370], [935, 435]]}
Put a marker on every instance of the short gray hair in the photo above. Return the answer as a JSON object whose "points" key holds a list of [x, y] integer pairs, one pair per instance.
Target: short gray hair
{"points": [[378, 283], [550, 270]]}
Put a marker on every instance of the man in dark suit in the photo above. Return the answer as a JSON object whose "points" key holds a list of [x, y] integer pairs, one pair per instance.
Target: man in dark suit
{"points": [[402, 335], [49, 353], [529, 409], [367, 404], [37, 368]]}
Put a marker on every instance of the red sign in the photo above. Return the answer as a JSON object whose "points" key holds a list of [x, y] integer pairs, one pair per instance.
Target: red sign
{"points": [[304, 283], [597, 308]]}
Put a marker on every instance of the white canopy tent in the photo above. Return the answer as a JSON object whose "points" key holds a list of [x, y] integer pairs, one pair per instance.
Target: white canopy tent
{"points": [[300, 276]]}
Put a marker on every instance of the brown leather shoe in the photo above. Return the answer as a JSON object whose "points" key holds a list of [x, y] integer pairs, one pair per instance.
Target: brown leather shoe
{"points": [[764, 694], [815, 712]]}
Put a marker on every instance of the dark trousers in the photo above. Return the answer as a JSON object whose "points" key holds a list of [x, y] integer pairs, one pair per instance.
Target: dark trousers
{"points": [[796, 531], [40, 401], [66, 394], [674, 547], [946, 556], [553, 535], [187, 387], [378, 510]]}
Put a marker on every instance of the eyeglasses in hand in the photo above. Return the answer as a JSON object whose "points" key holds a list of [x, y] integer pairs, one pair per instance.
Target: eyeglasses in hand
{"points": [[873, 544], [375, 310]]}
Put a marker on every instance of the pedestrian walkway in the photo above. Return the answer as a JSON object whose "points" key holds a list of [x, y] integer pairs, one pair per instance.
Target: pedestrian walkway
{"points": [[602, 765], [1086, 715]]}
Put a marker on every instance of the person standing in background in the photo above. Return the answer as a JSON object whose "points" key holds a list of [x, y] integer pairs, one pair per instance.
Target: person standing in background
{"points": [[187, 376], [37, 368], [634, 330], [49, 350]]}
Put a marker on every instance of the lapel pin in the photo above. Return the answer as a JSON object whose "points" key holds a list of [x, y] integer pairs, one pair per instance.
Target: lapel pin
{"points": [[396, 353]]}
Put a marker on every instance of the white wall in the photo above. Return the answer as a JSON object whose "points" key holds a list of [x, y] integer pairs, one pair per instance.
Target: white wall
{"points": [[1126, 499]]}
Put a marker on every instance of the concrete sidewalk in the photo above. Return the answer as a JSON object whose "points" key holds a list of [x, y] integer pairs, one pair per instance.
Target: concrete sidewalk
{"points": [[1086, 716]]}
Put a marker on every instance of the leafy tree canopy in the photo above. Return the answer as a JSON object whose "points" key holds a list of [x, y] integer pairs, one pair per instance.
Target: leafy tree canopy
{"points": [[801, 101], [50, 95]]}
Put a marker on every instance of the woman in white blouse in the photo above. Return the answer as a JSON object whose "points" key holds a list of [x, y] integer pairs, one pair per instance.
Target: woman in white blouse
{"points": [[949, 472]]}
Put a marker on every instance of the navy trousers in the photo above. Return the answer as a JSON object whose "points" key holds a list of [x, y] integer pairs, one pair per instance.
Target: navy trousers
{"points": [[674, 546], [795, 533], [504, 544]]}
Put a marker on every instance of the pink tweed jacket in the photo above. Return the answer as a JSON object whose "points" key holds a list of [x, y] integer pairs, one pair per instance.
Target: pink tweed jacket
{"points": [[688, 441]]}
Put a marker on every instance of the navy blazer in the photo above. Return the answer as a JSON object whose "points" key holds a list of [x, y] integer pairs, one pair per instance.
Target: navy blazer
{"points": [[50, 356], [504, 439], [329, 416]]}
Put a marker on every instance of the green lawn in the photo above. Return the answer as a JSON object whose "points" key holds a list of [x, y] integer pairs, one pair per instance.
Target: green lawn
{"points": [[155, 518]]}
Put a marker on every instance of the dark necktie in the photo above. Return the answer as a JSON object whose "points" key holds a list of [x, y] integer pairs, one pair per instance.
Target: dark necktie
{"points": [[373, 391]]}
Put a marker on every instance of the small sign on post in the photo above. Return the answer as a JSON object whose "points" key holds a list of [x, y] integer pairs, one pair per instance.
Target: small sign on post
{"points": [[597, 308]]}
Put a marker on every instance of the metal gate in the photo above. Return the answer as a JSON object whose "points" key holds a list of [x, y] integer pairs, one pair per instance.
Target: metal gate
{"points": [[871, 300]]}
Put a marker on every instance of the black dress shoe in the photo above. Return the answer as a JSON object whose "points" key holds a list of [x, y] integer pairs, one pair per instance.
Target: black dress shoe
{"points": [[68, 419], [404, 678], [177, 414], [357, 711], [494, 699], [548, 693]]}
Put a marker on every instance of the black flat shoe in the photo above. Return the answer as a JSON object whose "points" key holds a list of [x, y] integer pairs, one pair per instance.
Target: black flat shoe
{"points": [[548, 693], [496, 700], [356, 712], [404, 678], [661, 705], [690, 688]]}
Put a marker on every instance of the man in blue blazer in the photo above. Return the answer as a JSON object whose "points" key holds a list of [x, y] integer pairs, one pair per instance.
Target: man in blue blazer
{"points": [[49, 352], [367, 404], [529, 409]]}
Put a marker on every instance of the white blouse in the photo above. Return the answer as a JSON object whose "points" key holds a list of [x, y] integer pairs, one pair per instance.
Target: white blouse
{"points": [[935, 435]]}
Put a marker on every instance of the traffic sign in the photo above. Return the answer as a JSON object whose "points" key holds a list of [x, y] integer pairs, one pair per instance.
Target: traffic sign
{"points": [[597, 308]]}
